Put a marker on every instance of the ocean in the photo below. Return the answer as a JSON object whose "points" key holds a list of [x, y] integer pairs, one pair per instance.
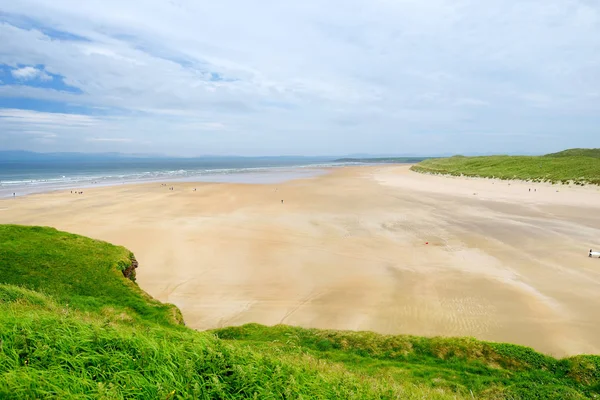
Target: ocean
{"points": [[43, 174]]}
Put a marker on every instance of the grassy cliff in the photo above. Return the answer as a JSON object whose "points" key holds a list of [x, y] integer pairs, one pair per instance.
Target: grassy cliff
{"points": [[72, 326], [579, 166]]}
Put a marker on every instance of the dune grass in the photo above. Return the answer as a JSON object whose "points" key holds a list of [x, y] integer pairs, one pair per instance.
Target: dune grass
{"points": [[577, 166], [594, 153], [72, 326], [463, 365], [49, 351]]}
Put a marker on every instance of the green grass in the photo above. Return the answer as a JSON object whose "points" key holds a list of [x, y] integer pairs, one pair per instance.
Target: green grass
{"points": [[71, 326], [463, 365], [50, 351], [594, 153], [578, 166], [80, 271]]}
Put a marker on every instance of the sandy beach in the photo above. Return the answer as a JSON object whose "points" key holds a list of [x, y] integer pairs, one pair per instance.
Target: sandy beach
{"points": [[363, 248]]}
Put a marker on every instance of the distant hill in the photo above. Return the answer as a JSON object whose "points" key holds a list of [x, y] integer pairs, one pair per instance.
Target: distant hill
{"points": [[29, 156], [389, 160], [578, 166], [594, 153]]}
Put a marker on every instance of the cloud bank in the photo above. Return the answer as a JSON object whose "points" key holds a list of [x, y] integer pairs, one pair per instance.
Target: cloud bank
{"points": [[265, 78]]}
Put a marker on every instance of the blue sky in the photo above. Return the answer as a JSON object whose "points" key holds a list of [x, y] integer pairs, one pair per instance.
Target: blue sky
{"points": [[187, 77]]}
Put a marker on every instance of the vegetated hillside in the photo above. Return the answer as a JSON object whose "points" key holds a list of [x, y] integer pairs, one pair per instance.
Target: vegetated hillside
{"points": [[579, 169], [85, 273], [82, 330], [383, 160], [594, 153]]}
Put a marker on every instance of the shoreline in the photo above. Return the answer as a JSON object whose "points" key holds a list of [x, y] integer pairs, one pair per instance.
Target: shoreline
{"points": [[377, 248], [250, 176]]}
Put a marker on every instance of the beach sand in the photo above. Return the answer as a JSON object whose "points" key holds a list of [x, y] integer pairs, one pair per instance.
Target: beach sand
{"points": [[361, 248]]}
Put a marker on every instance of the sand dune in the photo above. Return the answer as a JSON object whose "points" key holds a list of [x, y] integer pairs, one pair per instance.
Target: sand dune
{"points": [[347, 250]]}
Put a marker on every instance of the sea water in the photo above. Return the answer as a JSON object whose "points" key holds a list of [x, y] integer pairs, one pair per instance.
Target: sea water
{"points": [[35, 176]]}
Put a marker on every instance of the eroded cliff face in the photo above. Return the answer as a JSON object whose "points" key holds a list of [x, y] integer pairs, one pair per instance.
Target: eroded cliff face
{"points": [[129, 272]]}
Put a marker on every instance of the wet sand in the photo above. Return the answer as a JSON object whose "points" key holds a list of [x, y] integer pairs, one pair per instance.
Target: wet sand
{"points": [[362, 248]]}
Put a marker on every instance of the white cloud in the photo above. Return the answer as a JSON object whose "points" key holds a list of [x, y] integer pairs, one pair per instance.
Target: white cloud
{"points": [[204, 126], [42, 134], [32, 138], [466, 101], [313, 77], [29, 73], [25, 73], [115, 140], [45, 118]]}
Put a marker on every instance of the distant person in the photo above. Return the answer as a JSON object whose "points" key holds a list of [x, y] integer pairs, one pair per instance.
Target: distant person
{"points": [[281, 201], [14, 196]]}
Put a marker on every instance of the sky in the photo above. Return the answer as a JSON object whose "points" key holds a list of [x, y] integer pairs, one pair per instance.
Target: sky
{"points": [[310, 77]]}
